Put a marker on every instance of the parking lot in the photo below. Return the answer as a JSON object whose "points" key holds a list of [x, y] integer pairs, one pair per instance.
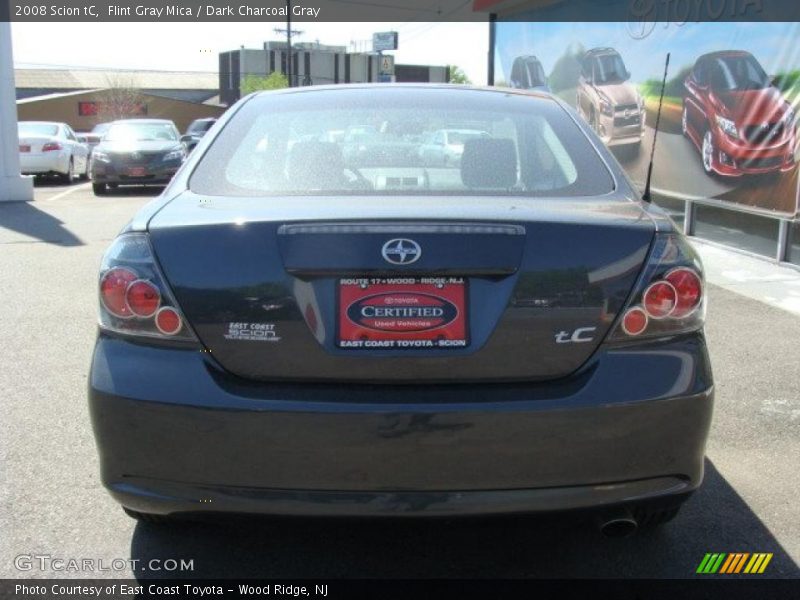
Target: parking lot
{"points": [[53, 502]]}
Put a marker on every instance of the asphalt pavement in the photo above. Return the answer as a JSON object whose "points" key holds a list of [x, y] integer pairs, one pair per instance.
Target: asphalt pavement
{"points": [[53, 502], [677, 168]]}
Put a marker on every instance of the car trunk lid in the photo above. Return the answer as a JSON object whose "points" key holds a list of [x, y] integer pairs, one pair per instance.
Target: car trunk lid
{"points": [[525, 289]]}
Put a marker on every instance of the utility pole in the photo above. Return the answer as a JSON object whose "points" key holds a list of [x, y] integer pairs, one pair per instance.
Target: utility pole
{"points": [[289, 41], [289, 33]]}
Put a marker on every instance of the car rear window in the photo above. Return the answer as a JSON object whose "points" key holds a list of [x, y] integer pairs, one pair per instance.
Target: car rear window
{"points": [[412, 141], [27, 129], [200, 126]]}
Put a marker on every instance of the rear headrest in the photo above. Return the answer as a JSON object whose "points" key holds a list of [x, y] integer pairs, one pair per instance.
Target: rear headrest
{"points": [[315, 165], [489, 163]]}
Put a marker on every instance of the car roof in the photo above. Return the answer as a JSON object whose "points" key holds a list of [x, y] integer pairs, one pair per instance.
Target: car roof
{"points": [[463, 130], [57, 123], [455, 89], [598, 51], [724, 53], [151, 121]]}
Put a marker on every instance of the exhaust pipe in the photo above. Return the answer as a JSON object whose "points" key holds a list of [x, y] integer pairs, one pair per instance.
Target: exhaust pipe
{"points": [[618, 523]]}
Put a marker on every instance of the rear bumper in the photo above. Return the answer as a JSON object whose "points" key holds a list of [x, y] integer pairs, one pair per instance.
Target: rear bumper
{"points": [[164, 497], [45, 162], [177, 435]]}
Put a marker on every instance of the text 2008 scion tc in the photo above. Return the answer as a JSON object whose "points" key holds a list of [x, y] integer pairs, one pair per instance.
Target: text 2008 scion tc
{"points": [[312, 320]]}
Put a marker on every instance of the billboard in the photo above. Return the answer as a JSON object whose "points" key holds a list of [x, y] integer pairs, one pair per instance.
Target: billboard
{"points": [[728, 129], [385, 40]]}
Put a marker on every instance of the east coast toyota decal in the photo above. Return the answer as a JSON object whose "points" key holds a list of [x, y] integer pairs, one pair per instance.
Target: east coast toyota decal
{"points": [[402, 312]]}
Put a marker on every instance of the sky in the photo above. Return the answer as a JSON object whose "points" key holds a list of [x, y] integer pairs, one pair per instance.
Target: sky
{"points": [[773, 44], [195, 46]]}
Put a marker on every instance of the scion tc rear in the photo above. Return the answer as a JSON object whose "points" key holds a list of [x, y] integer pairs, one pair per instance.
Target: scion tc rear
{"points": [[290, 331]]}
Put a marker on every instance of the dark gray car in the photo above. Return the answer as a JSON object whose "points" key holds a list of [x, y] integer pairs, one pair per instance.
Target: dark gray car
{"points": [[195, 132], [136, 152], [291, 329]]}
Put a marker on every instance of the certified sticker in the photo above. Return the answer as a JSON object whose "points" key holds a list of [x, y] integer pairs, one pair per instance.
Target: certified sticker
{"points": [[402, 313]]}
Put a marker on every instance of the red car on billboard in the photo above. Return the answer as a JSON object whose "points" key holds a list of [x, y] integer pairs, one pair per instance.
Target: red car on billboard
{"points": [[740, 122]]}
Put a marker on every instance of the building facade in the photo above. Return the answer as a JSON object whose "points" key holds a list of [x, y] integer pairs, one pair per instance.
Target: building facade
{"points": [[84, 109], [316, 64]]}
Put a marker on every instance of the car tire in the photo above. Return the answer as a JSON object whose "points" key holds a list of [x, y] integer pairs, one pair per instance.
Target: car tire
{"points": [[147, 517], [99, 189], [707, 152], [70, 174]]}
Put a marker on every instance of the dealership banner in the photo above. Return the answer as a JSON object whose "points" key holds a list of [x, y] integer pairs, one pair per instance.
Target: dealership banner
{"points": [[728, 128]]}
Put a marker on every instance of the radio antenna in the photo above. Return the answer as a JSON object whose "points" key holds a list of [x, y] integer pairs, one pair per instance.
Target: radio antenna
{"points": [[646, 195]]}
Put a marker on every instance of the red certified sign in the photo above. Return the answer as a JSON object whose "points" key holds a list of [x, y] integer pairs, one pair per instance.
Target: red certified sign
{"points": [[93, 108], [402, 313]]}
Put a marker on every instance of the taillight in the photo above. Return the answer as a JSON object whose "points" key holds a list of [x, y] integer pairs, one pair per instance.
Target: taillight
{"points": [[51, 146], [114, 286], [635, 321], [134, 296], [669, 298], [660, 300], [143, 298], [689, 289], [168, 321]]}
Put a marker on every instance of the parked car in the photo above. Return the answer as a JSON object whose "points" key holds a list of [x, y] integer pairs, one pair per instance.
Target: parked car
{"points": [[738, 120], [611, 105], [195, 132], [136, 152], [100, 129], [446, 146], [517, 333], [47, 148], [527, 73], [366, 146], [90, 139]]}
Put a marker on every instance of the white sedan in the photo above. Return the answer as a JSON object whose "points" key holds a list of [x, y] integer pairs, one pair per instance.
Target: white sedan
{"points": [[52, 149]]}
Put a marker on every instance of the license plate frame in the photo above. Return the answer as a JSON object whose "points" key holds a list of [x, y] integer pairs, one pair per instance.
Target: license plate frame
{"points": [[136, 172], [402, 313]]}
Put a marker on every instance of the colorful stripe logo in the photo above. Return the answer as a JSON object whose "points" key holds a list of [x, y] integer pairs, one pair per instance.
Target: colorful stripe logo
{"points": [[734, 562]]}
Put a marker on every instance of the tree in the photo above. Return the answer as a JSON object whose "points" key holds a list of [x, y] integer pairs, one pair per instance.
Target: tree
{"points": [[674, 88], [567, 69], [457, 75], [122, 99], [254, 83]]}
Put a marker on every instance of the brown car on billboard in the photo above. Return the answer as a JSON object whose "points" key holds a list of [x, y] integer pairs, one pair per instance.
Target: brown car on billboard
{"points": [[607, 100]]}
